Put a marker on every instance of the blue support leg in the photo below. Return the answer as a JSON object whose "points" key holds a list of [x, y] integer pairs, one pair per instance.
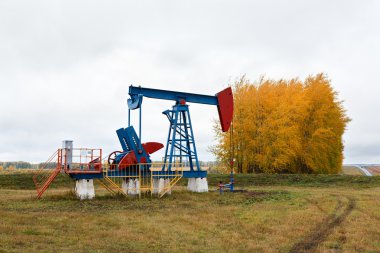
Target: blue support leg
{"points": [[181, 143]]}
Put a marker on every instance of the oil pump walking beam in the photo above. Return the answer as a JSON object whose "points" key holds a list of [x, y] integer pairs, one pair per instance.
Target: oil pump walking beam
{"points": [[223, 100]]}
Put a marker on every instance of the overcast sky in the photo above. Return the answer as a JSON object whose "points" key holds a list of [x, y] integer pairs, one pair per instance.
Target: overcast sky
{"points": [[65, 66]]}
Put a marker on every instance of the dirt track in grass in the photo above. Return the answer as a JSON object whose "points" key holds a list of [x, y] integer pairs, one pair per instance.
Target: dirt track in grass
{"points": [[311, 242]]}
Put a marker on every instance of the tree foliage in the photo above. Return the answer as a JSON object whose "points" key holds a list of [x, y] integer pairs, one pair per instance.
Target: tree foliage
{"points": [[18, 165], [285, 126]]}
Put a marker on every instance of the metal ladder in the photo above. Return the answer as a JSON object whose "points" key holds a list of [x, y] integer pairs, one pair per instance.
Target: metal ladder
{"points": [[44, 177]]}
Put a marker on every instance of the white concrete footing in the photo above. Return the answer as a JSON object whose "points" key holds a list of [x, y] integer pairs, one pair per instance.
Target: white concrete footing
{"points": [[84, 189], [131, 186], [137, 185], [197, 185], [191, 185], [167, 185], [124, 186], [156, 182], [161, 185]]}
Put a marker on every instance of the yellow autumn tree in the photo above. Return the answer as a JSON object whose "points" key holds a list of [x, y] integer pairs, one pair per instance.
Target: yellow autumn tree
{"points": [[284, 126], [11, 168]]}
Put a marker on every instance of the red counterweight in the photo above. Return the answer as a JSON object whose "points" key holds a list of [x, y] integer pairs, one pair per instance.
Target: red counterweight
{"points": [[151, 147], [131, 159], [225, 108]]}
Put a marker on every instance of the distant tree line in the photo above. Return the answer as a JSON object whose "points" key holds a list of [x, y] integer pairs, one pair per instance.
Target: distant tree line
{"points": [[18, 165], [26, 165], [284, 126]]}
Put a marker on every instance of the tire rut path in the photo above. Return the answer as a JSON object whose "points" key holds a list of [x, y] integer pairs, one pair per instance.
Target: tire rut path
{"points": [[320, 233]]}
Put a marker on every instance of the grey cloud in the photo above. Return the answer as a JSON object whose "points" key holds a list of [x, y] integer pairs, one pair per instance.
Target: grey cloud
{"points": [[65, 66]]}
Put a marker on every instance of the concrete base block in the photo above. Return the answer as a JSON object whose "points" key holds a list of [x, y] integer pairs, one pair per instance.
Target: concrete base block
{"points": [[161, 185], [124, 186], [167, 184], [191, 185], [197, 185], [84, 189], [79, 189], [90, 189], [131, 187], [203, 185], [156, 182], [137, 186]]}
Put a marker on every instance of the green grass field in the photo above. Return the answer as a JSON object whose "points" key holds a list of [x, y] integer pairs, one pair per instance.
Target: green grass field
{"points": [[271, 213]]}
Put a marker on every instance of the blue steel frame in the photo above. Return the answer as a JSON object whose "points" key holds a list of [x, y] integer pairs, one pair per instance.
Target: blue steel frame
{"points": [[137, 93], [181, 143]]}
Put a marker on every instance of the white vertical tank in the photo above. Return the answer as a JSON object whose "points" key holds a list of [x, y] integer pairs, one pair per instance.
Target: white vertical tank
{"points": [[67, 152]]}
